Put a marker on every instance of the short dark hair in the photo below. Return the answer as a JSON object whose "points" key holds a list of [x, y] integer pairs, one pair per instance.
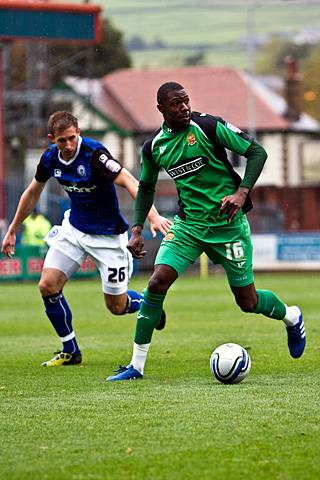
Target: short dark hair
{"points": [[61, 121], [165, 89]]}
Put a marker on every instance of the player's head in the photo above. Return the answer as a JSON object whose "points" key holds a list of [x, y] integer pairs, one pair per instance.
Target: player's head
{"points": [[63, 130], [174, 104], [59, 121]]}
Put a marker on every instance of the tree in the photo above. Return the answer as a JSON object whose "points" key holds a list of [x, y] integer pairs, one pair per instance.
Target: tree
{"points": [[136, 43], [196, 58], [271, 61]]}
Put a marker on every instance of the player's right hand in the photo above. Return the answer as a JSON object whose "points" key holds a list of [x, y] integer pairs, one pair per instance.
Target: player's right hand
{"points": [[8, 244]]}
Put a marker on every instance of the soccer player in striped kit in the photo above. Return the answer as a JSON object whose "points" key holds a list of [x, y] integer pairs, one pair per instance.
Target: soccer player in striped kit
{"points": [[213, 200], [93, 226]]}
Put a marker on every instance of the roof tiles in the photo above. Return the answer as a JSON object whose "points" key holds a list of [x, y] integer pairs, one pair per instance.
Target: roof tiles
{"points": [[131, 97]]}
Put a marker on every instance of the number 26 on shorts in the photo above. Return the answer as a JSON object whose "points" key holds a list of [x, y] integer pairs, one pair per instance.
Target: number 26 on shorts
{"points": [[117, 274]]}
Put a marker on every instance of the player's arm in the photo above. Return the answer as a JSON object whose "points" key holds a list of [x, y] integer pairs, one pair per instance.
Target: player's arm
{"points": [[144, 200], [105, 167], [239, 142], [27, 202], [256, 157], [157, 222]]}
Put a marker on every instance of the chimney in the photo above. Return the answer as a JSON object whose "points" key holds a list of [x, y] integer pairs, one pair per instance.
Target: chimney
{"points": [[293, 91]]}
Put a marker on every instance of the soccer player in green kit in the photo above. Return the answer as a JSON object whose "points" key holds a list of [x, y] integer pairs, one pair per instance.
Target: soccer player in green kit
{"points": [[213, 200]]}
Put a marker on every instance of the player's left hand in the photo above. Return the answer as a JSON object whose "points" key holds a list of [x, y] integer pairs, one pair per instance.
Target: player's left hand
{"points": [[136, 243], [160, 224], [231, 204]]}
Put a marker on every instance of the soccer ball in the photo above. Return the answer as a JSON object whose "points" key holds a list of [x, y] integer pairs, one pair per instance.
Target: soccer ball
{"points": [[230, 363]]}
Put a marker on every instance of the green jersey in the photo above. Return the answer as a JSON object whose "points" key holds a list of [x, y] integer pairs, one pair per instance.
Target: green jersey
{"points": [[195, 158]]}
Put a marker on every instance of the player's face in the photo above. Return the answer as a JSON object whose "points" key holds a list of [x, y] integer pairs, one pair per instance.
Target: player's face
{"points": [[66, 141], [176, 109]]}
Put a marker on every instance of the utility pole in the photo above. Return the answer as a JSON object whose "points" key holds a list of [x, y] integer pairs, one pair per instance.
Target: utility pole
{"points": [[251, 52], [3, 195]]}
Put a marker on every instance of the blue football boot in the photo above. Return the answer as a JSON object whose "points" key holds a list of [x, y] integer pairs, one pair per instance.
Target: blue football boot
{"points": [[125, 373], [297, 338]]}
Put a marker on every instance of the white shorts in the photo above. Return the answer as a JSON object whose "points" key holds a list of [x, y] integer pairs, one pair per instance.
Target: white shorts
{"points": [[69, 248]]}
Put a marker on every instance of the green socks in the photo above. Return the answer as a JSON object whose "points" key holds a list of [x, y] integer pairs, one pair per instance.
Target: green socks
{"points": [[151, 309], [270, 305], [148, 317]]}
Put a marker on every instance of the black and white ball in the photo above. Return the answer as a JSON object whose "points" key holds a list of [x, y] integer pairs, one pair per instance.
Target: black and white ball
{"points": [[230, 363]]}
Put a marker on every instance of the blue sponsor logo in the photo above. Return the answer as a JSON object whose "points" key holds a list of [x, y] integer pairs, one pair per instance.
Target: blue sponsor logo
{"points": [[299, 247]]}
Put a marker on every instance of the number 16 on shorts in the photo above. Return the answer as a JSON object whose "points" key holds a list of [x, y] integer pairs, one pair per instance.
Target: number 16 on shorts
{"points": [[234, 251]]}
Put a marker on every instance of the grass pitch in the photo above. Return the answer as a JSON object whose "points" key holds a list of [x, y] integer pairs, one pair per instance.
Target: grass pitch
{"points": [[178, 423]]}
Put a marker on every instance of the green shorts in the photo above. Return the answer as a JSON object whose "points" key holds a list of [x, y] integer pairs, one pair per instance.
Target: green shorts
{"points": [[227, 245]]}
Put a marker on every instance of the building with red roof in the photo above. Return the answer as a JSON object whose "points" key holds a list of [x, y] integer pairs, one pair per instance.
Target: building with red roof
{"points": [[125, 104]]}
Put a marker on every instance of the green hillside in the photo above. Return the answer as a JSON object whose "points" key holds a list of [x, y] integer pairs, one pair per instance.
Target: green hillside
{"points": [[168, 32]]}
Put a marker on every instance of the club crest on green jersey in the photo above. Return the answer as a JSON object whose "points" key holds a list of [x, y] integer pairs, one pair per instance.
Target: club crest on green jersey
{"points": [[169, 236], [191, 139]]}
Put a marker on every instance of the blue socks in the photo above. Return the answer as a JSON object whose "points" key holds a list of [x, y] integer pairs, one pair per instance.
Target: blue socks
{"points": [[59, 314], [134, 301]]}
